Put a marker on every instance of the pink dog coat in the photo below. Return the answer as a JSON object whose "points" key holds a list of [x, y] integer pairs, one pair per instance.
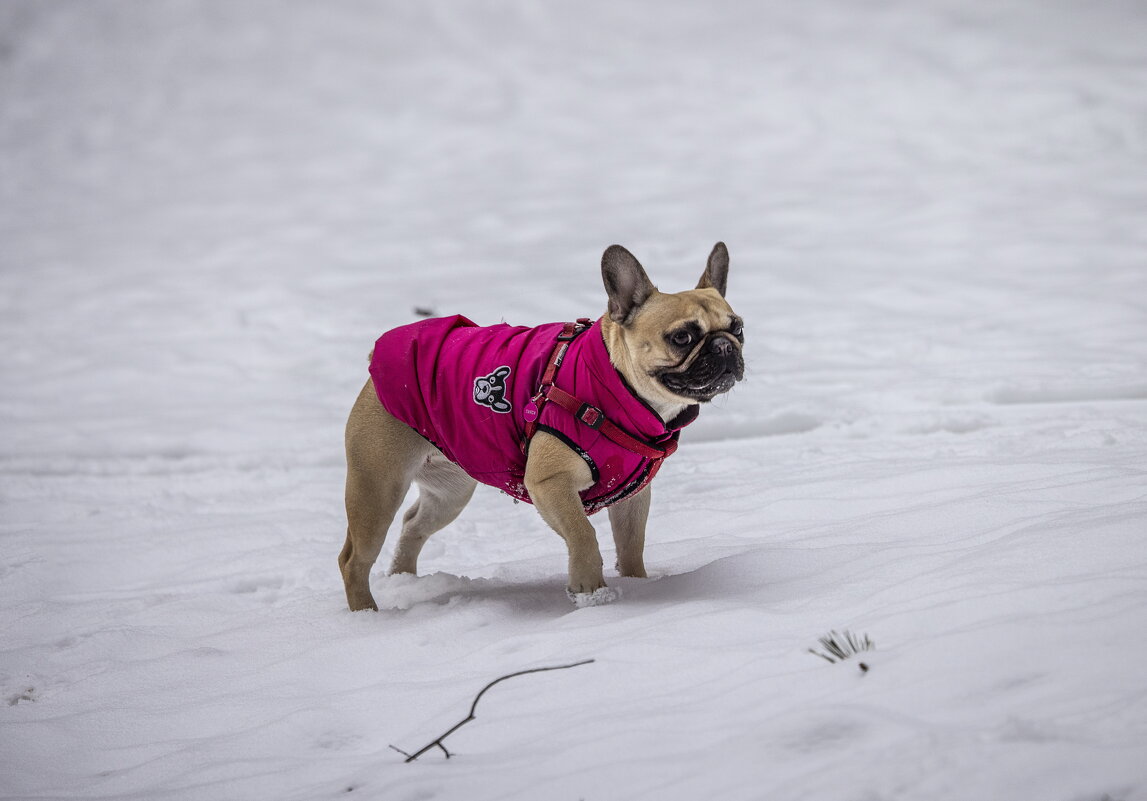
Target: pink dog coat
{"points": [[478, 393]]}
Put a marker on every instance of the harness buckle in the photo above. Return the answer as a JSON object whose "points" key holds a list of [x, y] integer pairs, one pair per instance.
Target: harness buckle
{"points": [[591, 416], [573, 329]]}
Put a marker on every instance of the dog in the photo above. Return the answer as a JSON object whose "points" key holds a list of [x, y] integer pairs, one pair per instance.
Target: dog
{"points": [[572, 417]]}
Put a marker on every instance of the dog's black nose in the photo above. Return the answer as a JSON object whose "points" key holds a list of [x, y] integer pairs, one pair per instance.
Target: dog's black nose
{"points": [[721, 346]]}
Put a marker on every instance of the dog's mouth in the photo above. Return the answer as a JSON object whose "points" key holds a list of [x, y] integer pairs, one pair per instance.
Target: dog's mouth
{"points": [[705, 379]]}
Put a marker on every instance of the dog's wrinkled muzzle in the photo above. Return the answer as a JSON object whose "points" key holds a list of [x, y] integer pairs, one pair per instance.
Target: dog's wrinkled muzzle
{"points": [[717, 367]]}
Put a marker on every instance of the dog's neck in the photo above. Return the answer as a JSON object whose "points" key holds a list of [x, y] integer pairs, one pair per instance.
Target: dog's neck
{"points": [[666, 411], [642, 384]]}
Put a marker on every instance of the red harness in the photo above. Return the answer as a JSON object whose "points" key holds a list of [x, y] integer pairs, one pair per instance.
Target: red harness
{"points": [[583, 412]]}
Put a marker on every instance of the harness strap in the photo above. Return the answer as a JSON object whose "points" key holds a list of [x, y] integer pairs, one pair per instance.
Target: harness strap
{"points": [[534, 407], [595, 418], [585, 413]]}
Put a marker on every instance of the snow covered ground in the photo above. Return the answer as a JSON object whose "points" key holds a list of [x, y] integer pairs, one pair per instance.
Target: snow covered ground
{"points": [[936, 213]]}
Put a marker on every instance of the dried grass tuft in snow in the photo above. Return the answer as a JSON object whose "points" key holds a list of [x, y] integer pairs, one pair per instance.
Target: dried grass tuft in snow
{"points": [[839, 647]]}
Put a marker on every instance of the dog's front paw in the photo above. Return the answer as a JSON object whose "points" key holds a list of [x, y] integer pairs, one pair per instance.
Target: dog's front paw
{"points": [[599, 597]]}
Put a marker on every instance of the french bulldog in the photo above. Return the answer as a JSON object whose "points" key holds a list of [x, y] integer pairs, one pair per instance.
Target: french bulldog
{"points": [[572, 418]]}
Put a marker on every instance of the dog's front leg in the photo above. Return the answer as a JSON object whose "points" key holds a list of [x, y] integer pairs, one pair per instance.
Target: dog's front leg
{"points": [[554, 477]]}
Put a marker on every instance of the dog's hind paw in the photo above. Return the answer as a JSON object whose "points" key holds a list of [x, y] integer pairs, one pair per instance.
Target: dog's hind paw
{"points": [[599, 597]]}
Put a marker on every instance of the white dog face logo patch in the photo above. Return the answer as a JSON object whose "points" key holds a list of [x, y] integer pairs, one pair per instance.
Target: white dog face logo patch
{"points": [[490, 390]]}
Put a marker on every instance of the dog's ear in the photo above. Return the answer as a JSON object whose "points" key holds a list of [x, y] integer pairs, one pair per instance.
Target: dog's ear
{"points": [[501, 372], [716, 275], [625, 282]]}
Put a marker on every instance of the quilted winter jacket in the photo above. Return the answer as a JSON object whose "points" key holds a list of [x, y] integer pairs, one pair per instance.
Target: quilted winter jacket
{"points": [[470, 389]]}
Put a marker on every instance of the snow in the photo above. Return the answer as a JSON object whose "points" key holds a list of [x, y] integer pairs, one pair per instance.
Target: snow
{"points": [[209, 210], [599, 597]]}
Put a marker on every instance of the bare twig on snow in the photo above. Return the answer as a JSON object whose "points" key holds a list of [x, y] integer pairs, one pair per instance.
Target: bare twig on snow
{"points": [[437, 742]]}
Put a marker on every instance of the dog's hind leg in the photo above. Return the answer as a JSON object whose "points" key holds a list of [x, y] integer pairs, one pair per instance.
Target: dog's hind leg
{"points": [[383, 456], [443, 490]]}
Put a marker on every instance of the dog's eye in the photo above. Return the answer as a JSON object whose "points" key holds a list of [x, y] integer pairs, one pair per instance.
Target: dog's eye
{"points": [[682, 339], [735, 329]]}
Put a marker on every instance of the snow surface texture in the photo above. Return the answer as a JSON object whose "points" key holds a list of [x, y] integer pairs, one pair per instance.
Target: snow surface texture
{"points": [[936, 213]]}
